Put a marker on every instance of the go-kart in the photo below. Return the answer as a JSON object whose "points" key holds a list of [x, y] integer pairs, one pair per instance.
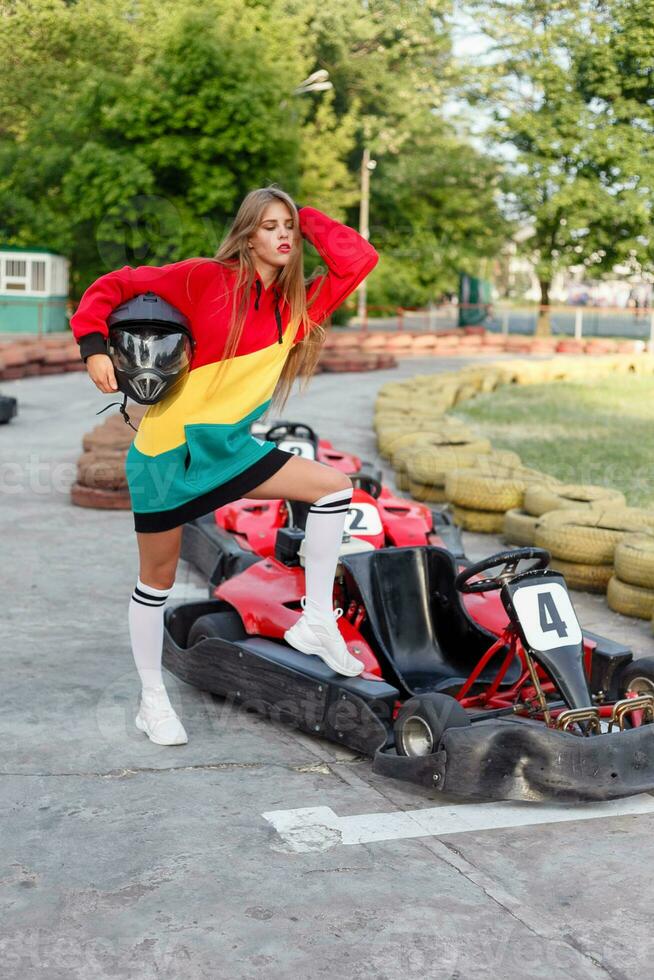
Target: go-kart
{"points": [[8, 409], [238, 534], [541, 711]]}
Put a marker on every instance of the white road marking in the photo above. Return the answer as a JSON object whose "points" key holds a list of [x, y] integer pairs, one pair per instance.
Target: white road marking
{"points": [[319, 828]]}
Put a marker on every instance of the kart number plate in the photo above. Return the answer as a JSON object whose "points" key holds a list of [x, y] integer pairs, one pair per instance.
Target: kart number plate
{"points": [[546, 616], [363, 519], [299, 447]]}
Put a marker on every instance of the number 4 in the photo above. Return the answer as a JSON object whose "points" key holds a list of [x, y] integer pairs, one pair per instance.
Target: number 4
{"points": [[547, 607]]}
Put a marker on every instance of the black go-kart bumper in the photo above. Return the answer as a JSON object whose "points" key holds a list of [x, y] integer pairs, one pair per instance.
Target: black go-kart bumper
{"points": [[517, 759], [274, 680], [492, 759], [8, 409], [214, 551]]}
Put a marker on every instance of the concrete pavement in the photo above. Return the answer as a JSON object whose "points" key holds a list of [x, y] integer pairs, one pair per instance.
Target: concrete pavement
{"points": [[129, 860]]}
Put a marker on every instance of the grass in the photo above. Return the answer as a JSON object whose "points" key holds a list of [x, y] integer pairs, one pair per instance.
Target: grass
{"points": [[597, 431]]}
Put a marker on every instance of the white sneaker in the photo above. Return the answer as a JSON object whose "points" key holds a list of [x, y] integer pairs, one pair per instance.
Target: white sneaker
{"points": [[158, 719], [317, 633]]}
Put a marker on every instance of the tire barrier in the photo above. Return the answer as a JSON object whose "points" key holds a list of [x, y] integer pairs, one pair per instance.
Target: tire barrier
{"points": [[594, 537], [586, 578], [519, 527], [631, 589], [425, 492], [101, 480], [346, 359], [32, 356], [483, 521], [58, 353], [391, 440], [103, 472], [498, 492], [83, 496], [541, 499], [634, 559], [587, 536], [630, 600], [428, 464]]}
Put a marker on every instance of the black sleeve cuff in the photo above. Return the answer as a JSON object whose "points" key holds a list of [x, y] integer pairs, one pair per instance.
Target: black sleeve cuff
{"points": [[92, 343]]}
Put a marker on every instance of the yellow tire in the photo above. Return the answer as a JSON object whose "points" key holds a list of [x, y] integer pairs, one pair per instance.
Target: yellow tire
{"points": [[519, 527], [422, 491], [500, 491], [634, 559], [630, 600], [541, 499], [390, 442], [642, 515], [401, 480], [480, 521], [431, 465], [586, 536], [584, 578]]}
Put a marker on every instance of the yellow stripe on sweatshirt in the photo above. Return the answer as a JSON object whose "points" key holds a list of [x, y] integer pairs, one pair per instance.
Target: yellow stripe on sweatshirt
{"points": [[247, 381]]}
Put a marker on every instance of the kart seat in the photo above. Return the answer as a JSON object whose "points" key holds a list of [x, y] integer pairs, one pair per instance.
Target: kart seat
{"points": [[418, 619]]}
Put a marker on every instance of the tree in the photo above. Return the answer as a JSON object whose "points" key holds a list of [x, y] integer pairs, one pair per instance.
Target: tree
{"points": [[564, 182], [615, 77], [434, 203], [153, 122], [130, 130]]}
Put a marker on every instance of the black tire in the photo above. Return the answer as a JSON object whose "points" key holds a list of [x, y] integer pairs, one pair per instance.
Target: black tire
{"points": [[422, 720], [225, 625], [638, 676]]}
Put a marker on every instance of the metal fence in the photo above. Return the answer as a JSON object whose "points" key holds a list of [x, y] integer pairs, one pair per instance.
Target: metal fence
{"points": [[566, 321]]}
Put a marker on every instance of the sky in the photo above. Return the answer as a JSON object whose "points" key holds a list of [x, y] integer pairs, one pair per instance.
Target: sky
{"points": [[472, 46]]}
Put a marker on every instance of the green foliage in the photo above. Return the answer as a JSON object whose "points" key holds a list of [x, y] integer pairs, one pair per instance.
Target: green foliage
{"points": [[561, 88], [129, 132]]}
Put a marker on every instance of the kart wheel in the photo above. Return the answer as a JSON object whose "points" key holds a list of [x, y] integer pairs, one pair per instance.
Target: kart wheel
{"points": [[638, 677], [226, 625], [422, 720]]}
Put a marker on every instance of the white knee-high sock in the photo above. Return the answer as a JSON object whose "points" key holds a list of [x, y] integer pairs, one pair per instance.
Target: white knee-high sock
{"points": [[146, 612], [322, 541]]}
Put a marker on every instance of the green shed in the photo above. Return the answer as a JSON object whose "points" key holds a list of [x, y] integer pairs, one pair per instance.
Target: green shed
{"points": [[33, 291]]}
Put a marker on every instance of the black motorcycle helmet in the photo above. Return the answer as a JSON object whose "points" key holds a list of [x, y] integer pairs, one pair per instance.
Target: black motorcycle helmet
{"points": [[150, 345]]}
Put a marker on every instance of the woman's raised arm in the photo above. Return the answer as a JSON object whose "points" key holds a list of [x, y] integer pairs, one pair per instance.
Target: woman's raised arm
{"points": [[348, 257]]}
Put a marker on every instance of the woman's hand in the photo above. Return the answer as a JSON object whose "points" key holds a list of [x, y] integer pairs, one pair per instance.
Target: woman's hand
{"points": [[101, 372]]}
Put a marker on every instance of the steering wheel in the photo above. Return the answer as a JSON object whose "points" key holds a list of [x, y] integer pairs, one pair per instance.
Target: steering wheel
{"points": [[509, 560], [367, 482], [284, 429]]}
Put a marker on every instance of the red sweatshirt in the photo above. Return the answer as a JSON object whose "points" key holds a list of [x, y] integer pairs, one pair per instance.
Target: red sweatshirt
{"points": [[201, 289]]}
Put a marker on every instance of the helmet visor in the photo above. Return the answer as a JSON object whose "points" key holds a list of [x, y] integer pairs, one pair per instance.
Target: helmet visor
{"points": [[150, 349]]}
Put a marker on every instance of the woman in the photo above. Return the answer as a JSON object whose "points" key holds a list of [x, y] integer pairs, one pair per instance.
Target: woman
{"points": [[256, 326]]}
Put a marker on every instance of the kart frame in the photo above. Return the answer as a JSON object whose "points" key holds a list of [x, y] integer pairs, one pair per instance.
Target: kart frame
{"points": [[499, 755]]}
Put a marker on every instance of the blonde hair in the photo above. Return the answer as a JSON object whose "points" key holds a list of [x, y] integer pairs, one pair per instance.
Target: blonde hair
{"points": [[234, 254]]}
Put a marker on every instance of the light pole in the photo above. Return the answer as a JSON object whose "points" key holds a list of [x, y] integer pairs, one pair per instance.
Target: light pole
{"points": [[367, 166], [318, 81]]}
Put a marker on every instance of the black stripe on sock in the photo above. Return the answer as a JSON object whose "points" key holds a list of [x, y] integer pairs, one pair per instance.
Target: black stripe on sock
{"points": [[150, 605], [340, 510], [345, 499], [148, 595]]}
